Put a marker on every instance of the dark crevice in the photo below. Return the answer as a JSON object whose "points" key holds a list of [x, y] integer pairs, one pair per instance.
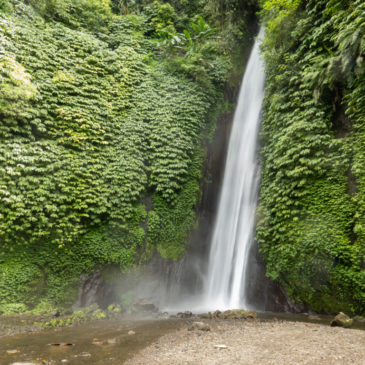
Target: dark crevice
{"points": [[341, 123]]}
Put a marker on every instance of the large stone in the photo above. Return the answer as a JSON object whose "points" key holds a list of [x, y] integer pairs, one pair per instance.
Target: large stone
{"points": [[359, 319], [342, 320], [205, 315], [186, 314], [216, 314], [144, 305]]}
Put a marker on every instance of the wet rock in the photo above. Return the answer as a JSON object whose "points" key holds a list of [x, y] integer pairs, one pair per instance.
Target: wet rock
{"points": [[359, 319], [216, 314], [144, 305], [205, 315], [61, 344], [90, 290], [201, 326], [163, 315], [186, 314], [342, 320]]}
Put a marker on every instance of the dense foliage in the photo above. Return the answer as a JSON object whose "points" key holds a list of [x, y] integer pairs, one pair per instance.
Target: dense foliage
{"points": [[102, 136], [311, 218]]}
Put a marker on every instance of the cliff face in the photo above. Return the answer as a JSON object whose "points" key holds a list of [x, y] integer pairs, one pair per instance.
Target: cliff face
{"points": [[311, 214], [105, 125], [102, 137]]}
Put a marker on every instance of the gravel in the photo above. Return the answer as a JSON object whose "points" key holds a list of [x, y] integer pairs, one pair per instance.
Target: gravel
{"points": [[255, 342]]}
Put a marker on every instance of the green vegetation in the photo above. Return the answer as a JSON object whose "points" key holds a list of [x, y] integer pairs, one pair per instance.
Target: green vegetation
{"points": [[103, 125], [312, 209], [106, 107]]}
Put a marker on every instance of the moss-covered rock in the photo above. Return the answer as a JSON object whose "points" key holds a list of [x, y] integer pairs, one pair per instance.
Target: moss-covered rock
{"points": [[342, 320]]}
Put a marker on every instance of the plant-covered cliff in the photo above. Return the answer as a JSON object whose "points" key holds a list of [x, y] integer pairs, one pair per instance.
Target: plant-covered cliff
{"points": [[105, 107], [311, 218]]}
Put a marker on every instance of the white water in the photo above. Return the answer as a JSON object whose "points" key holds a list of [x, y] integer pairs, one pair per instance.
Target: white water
{"points": [[224, 286]]}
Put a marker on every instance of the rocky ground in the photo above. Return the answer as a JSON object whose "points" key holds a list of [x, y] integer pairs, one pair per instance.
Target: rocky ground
{"points": [[252, 341]]}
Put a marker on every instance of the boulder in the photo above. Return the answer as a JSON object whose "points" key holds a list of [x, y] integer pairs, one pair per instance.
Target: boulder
{"points": [[359, 319], [342, 320], [205, 315], [216, 314], [144, 305], [201, 326], [186, 314], [163, 315]]}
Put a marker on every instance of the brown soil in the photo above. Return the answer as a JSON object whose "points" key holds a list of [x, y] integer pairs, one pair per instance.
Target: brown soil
{"points": [[257, 342]]}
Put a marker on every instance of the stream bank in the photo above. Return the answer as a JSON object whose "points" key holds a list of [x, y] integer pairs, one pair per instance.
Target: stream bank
{"points": [[97, 342], [271, 338]]}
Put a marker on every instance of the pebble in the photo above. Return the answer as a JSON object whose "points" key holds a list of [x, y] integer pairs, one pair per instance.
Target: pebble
{"points": [[220, 346], [10, 352], [113, 341], [96, 341]]}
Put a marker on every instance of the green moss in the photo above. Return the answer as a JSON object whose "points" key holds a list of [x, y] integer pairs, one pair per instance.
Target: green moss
{"points": [[20, 282], [12, 308], [310, 214], [96, 121], [98, 314]]}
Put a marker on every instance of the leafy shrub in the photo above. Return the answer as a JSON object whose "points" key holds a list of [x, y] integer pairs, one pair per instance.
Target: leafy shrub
{"points": [[12, 308], [88, 13]]}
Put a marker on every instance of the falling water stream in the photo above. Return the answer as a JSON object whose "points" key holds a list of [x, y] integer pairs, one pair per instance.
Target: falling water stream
{"points": [[224, 285]]}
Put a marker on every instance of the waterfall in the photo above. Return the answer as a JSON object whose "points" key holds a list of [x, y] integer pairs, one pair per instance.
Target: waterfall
{"points": [[224, 285]]}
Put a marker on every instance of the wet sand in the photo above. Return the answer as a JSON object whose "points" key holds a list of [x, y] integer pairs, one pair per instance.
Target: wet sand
{"points": [[97, 343]]}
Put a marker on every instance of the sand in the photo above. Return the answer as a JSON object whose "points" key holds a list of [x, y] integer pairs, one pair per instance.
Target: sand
{"points": [[257, 342]]}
